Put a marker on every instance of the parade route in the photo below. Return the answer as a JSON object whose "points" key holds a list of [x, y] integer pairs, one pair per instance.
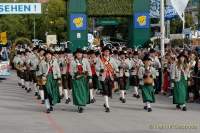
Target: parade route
{"points": [[22, 113]]}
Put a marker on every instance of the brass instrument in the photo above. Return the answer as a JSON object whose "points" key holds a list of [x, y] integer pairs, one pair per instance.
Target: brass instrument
{"points": [[42, 80], [148, 78]]}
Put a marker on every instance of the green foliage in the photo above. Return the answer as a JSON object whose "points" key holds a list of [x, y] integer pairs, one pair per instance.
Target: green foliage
{"points": [[109, 7]]}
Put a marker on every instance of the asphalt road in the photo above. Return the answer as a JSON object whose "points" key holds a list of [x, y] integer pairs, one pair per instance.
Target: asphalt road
{"points": [[22, 113]]}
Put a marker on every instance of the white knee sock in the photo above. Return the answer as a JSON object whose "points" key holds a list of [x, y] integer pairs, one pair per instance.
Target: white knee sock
{"points": [[183, 105], [27, 84], [106, 101], [66, 93], [135, 90], [123, 94], [22, 82], [148, 104], [42, 94], [47, 104], [19, 80], [35, 87], [91, 94], [60, 90]]}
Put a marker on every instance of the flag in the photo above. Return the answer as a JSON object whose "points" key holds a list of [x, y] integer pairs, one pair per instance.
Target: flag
{"points": [[179, 6], [42, 1]]}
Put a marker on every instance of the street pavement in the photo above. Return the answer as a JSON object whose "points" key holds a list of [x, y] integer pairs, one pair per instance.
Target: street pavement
{"points": [[22, 113]]}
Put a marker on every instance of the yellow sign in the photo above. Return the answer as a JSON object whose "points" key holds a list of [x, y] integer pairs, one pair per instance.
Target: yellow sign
{"points": [[78, 22], [3, 38], [142, 20]]}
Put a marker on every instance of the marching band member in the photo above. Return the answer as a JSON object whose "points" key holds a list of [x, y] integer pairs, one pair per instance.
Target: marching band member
{"points": [[80, 73], [123, 74], [40, 68], [95, 81], [107, 68], [134, 79], [65, 63], [147, 74], [181, 86], [157, 65], [115, 56], [56, 57], [16, 61], [21, 67], [34, 61], [51, 75]]}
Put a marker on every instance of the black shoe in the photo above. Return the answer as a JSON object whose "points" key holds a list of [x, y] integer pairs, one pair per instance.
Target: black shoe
{"points": [[123, 100], [48, 111], [36, 94], [107, 110], [178, 107], [149, 109], [184, 109], [92, 100], [138, 96], [120, 98], [28, 90], [51, 108], [67, 101], [145, 107], [43, 102], [104, 105], [38, 97], [23, 86], [80, 109]]}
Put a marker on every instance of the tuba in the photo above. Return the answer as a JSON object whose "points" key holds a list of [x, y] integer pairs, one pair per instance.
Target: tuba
{"points": [[148, 78]]}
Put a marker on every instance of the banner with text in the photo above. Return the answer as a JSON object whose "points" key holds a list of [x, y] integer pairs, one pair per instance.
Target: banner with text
{"points": [[20, 8]]}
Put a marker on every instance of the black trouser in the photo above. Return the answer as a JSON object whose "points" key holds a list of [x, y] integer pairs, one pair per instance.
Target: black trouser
{"points": [[196, 87], [122, 81], [158, 81], [107, 86], [67, 81]]}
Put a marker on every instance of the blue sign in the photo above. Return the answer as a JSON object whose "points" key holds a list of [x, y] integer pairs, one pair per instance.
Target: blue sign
{"points": [[78, 22], [20, 8], [170, 12], [142, 20]]}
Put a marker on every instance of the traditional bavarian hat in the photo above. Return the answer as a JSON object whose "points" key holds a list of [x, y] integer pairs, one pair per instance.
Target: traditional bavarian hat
{"points": [[67, 50], [152, 51], [122, 53], [106, 48], [78, 50], [135, 53], [146, 58]]}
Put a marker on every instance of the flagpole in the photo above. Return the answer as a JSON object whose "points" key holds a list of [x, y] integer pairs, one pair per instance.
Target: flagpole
{"points": [[183, 20], [162, 28], [34, 23]]}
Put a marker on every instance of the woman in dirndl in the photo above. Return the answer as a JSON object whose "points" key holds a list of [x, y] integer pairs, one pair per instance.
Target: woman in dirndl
{"points": [[147, 74], [180, 93], [52, 75], [80, 88]]}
